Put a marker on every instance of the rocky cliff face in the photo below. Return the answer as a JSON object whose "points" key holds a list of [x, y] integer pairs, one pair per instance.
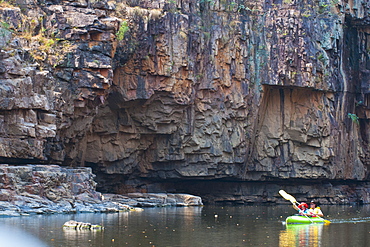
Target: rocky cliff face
{"points": [[177, 95]]}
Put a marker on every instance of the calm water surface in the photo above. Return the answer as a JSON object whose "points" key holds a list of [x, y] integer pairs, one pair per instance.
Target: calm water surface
{"points": [[192, 226]]}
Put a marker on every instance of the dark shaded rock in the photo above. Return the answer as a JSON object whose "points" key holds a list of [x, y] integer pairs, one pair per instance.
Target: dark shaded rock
{"points": [[11, 16]]}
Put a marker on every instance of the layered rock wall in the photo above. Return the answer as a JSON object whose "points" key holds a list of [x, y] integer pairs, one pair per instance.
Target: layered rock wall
{"points": [[148, 93], [50, 189]]}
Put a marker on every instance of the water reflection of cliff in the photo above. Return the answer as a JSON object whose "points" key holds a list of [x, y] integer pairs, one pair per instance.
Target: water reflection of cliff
{"points": [[301, 235]]}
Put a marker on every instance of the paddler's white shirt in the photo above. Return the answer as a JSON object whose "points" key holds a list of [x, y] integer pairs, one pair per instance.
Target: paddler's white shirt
{"points": [[316, 211]]}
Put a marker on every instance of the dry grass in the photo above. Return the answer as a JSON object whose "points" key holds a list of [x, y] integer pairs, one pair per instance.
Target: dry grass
{"points": [[6, 4], [42, 46]]}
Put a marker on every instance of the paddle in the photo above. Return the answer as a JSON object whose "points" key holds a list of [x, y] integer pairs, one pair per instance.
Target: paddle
{"points": [[290, 198]]}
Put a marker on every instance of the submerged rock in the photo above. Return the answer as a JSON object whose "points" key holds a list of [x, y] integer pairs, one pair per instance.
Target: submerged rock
{"points": [[72, 224]]}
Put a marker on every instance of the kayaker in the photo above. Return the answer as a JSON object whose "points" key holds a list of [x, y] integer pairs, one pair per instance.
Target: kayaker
{"points": [[302, 208], [315, 211]]}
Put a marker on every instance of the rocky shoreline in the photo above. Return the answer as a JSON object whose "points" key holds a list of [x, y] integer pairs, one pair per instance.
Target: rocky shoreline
{"points": [[50, 189]]}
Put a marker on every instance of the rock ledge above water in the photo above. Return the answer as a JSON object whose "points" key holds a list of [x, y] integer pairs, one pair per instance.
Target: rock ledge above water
{"points": [[48, 189]]}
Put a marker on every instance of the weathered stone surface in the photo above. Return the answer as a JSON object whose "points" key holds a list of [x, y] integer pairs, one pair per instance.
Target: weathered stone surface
{"points": [[41, 189], [155, 199], [148, 91]]}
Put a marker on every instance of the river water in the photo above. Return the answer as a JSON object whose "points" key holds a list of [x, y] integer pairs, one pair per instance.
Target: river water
{"points": [[192, 226]]}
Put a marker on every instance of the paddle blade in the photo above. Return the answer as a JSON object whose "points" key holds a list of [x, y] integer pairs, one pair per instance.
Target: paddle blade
{"points": [[327, 222], [288, 197]]}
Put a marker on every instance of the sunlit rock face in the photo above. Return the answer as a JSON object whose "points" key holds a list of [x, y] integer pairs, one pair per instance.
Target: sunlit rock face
{"points": [[150, 93]]}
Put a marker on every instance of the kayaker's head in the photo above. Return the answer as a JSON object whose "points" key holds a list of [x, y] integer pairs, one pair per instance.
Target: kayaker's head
{"points": [[303, 206], [313, 204]]}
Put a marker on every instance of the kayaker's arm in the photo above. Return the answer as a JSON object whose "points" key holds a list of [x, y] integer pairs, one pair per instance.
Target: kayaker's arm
{"points": [[299, 210], [320, 215], [302, 209]]}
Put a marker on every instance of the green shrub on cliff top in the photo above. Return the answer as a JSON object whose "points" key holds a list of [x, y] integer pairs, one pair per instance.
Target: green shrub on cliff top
{"points": [[122, 30]]}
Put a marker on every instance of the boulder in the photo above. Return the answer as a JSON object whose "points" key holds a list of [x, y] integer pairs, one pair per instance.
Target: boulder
{"points": [[81, 225]]}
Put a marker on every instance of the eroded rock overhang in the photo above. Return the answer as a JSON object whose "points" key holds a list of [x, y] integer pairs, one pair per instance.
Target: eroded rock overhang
{"points": [[155, 92]]}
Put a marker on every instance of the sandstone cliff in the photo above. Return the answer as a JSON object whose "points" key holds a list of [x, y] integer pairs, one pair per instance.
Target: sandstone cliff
{"points": [[227, 99]]}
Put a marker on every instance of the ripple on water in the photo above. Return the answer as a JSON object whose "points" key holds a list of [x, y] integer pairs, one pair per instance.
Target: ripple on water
{"points": [[350, 220]]}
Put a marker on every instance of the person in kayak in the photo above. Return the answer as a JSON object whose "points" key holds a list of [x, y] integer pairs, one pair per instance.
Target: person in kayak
{"points": [[302, 208], [315, 211]]}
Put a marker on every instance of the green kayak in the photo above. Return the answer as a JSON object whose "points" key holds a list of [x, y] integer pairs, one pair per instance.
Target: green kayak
{"points": [[298, 219]]}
